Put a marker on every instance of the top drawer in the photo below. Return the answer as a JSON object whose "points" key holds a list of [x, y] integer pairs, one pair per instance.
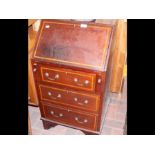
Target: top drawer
{"points": [[66, 77]]}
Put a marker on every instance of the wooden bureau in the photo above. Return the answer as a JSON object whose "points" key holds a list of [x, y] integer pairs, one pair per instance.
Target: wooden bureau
{"points": [[69, 64]]}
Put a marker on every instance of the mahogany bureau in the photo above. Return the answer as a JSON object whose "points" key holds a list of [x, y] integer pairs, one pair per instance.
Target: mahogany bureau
{"points": [[69, 64]]}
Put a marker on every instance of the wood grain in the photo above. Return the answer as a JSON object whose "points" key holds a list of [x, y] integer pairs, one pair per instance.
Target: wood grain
{"points": [[73, 99], [31, 21], [118, 57], [31, 86]]}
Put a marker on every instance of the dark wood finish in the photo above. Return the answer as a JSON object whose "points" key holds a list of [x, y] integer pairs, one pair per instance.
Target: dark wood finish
{"points": [[52, 123], [55, 113], [73, 43], [70, 77], [76, 79], [37, 65], [69, 98], [90, 133], [47, 125], [70, 116]]}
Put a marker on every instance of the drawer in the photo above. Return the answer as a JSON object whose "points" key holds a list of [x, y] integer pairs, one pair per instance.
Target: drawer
{"points": [[83, 120], [74, 79], [56, 114], [69, 116], [52, 94], [74, 99]]}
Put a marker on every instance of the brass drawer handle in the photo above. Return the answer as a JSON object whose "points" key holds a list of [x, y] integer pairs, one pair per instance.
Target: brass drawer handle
{"points": [[35, 64], [85, 102], [59, 96], [47, 26], [86, 82], [51, 79], [75, 99], [50, 94], [75, 79], [99, 81], [54, 98], [80, 84], [56, 76], [47, 74], [59, 115], [35, 69], [80, 103], [82, 122]]}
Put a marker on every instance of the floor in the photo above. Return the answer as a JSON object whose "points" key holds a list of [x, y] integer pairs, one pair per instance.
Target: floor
{"points": [[114, 123]]}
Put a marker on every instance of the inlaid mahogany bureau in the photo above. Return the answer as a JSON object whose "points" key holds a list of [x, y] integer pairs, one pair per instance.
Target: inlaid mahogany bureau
{"points": [[69, 64]]}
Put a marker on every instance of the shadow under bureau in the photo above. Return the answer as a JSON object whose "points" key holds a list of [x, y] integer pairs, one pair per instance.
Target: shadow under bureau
{"points": [[69, 64]]}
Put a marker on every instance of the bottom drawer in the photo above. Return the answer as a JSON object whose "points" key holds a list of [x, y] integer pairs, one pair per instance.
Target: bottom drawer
{"points": [[70, 116], [56, 114]]}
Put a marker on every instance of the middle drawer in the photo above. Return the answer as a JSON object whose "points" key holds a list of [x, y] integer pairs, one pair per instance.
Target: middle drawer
{"points": [[65, 97]]}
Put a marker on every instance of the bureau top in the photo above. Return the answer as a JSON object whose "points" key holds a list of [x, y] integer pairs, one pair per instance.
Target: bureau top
{"points": [[78, 44]]}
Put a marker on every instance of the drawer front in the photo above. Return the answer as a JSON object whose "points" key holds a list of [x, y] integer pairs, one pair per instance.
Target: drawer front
{"points": [[83, 120], [72, 117], [51, 94], [74, 79], [74, 99], [84, 101], [56, 114]]}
